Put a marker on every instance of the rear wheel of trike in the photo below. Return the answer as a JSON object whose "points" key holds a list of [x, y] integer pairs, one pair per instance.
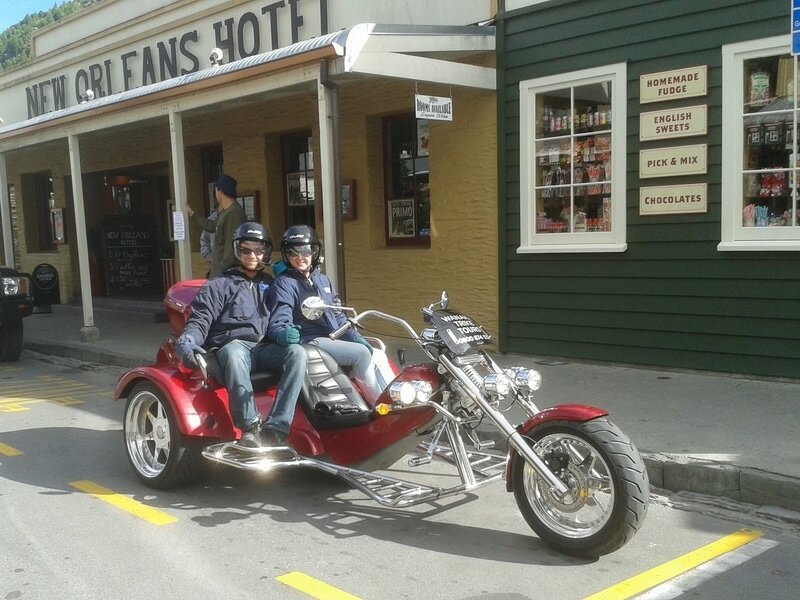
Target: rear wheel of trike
{"points": [[608, 487], [157, 450]]}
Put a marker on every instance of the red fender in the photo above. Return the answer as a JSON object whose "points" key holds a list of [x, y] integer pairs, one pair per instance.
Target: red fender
{"points": [[199, 411], [578, 413], [204, 412]]}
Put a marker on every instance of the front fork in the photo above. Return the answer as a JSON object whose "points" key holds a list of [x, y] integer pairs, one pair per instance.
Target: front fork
{"points": [[515, 440]]}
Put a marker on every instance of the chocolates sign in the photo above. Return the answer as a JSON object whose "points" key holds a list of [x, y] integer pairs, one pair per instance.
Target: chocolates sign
{"points": [[673, 199], [672, 85]]}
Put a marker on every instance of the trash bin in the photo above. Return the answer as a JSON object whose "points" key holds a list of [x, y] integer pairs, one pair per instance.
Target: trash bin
{"points": [[44, 280]]}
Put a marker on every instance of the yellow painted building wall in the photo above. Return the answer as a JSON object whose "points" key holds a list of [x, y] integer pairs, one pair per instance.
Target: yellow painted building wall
{"points": [[463, 255]]}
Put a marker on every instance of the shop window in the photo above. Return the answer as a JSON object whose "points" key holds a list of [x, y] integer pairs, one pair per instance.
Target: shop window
{"points": [[760, 208], [572, 162], [298, 173], [406, 180], [38, 199]]}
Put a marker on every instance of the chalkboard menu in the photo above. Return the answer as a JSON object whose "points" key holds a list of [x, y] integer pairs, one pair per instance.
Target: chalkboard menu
{"points": [[130, 257]]}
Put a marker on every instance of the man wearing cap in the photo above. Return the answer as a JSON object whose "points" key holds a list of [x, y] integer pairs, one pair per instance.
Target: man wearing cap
{"points": [[230, 216]]}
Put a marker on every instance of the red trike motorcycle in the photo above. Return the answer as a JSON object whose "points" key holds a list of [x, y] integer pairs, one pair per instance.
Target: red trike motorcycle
{"points": [[577, 479]]}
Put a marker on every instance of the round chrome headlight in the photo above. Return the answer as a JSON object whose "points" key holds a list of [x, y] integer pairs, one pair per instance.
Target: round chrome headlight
{"points": [[525, 379], [423, 390], [497, 383], [408, 392], [10, 286], [402, 392]]}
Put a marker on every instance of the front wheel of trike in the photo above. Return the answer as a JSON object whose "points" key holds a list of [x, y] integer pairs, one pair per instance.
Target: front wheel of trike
{"points": [[157, 450], [608, 487]]}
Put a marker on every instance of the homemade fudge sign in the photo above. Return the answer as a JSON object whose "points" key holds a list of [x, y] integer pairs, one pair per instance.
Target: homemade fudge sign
{"points": [[672, 85]]}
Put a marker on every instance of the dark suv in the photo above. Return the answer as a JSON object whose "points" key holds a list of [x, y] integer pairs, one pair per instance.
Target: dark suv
{"points": [[16, 302]]}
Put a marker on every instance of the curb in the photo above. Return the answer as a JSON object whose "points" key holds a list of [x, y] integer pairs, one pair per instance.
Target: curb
{"points": [[680, 473]]}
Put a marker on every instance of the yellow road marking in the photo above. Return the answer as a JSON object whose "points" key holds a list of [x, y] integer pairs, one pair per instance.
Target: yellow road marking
{"points": [[134, 507], [18, 404], [658, 575], [314, 587], [9, 451]]}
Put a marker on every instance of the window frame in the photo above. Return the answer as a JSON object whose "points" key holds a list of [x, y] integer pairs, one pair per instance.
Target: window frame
{"points": [[734, 236], [415, 241], [601, 241]]}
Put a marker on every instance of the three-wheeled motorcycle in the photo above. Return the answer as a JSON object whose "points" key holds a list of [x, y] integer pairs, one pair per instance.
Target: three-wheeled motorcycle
{"points": [[579, 482]]}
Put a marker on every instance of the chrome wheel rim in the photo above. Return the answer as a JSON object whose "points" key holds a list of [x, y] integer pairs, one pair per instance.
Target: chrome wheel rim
{"points": [[589, 502], [147, 434]]}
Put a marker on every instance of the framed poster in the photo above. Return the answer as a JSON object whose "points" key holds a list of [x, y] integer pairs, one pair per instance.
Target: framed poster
{"points": [[299, 189], [249, 202], [401, 219], [349, 200]]}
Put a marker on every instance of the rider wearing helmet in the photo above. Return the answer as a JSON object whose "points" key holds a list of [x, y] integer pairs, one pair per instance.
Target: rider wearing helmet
{"points": [[229, 315], [301, 250]]}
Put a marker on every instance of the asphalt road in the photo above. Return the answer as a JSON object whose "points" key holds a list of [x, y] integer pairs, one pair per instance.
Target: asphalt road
{"points": [[76, 523]]}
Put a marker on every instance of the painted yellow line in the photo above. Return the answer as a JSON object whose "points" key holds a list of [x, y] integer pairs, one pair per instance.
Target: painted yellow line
{"points": [[9, 451], [658, 575], [314, 587], [137, 509]]}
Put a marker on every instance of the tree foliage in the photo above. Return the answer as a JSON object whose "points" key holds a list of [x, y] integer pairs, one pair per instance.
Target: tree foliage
{"points": [[15, 42]]}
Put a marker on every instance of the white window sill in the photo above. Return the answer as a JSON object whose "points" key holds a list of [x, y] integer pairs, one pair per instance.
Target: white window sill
{"points": [[759, 246], [571, 248]]}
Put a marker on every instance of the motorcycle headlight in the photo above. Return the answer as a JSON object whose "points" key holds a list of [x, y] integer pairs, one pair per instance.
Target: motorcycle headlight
{"points": [[10, 286], [525, 379], [408, 392], [497, 383]]}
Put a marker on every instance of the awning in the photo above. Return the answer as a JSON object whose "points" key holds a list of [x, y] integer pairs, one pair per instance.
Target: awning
{"points": [[423, 53]]}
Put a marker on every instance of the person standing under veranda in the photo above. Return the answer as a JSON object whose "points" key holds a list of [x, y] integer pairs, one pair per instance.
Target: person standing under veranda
{"points": [[230, 216]]}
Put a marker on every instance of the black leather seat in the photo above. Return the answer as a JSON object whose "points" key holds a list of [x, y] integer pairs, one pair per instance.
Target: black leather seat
{"points": [[330, 399]]}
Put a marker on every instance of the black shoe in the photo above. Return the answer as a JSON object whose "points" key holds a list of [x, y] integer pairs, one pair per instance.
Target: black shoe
{"points": [[250, 437], [273, 437]]}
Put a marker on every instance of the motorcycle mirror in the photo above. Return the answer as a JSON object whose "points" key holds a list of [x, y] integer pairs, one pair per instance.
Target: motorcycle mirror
{"points": [[312, 308], [444, 301]]}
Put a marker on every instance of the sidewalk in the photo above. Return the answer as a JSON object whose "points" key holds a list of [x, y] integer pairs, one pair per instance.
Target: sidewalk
{"points": [[711, 434]]}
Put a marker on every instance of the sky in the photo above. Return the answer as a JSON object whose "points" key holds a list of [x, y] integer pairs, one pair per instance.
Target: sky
{"points": [[13, 11]]}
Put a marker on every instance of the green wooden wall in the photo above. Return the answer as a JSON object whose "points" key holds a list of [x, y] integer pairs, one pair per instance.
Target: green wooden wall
{"points": [[671, 299]]}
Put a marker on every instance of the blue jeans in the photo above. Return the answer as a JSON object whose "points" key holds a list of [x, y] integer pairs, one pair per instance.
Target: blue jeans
{"points": [[239, 358], [359, 359]]}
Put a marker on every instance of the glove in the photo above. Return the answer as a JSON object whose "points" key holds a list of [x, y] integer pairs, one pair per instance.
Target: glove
{"points": [[360, 339], [186, 349], [288, 336], [279, 267]]}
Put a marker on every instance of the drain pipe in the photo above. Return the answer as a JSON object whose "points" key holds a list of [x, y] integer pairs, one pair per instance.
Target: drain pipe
{"points": [[328, 99]]}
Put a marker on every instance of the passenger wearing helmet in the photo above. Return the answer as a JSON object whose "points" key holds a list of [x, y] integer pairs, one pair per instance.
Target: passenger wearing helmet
{"points": [[229, 315], [300, 250]]}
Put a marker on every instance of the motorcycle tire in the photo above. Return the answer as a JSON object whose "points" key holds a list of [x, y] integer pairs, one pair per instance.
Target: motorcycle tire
{"points": [[159, 453], [608, 487]]}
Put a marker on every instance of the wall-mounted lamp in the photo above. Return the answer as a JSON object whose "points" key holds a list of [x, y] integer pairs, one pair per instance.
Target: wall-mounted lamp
{"points": [[86, 96], [216, 57]]}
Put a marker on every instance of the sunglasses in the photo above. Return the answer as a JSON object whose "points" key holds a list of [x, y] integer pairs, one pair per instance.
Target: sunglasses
{"points": [[249, 251], [300, 251]]}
